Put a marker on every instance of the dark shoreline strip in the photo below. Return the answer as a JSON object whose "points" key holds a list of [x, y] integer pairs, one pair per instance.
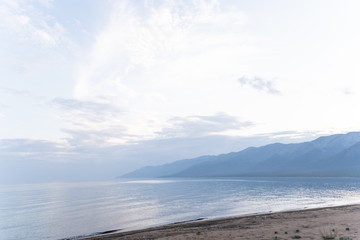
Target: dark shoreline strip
{"points": [[188, 221], [109, 231], [201, 222]]}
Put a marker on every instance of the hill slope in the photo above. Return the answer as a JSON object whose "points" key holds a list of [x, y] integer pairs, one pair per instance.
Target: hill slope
{"points": [[335, 155]]}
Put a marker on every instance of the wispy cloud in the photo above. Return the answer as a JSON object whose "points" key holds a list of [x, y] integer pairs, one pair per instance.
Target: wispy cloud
{"points": [[259, 84], [27, 145], [91, 111], [110, 136], [30, 23], [92, 123], [149, 62], [85, 106], [176, 41], [15, 91], [198, 126], [3, 105], [39, 150], [347, 91], [284, 136]]}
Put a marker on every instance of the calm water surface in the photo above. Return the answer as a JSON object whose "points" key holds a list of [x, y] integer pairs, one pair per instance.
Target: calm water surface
{"points": [[63, 210]]}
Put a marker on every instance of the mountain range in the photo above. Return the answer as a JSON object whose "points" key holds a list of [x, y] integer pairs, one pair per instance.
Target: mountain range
{"points": [[330, 156]]}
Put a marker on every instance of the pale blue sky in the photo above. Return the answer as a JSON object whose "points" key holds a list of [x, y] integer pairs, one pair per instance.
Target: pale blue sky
{"points": [[120, 84]]}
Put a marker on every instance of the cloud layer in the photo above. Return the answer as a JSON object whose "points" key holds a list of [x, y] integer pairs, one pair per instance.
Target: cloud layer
{"points": [[199, 126], [259, 84], [24, 160], [31, 24], [143, 82]]}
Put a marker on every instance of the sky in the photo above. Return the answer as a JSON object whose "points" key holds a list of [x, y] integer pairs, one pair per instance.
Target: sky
{"points": [[92, 89]]}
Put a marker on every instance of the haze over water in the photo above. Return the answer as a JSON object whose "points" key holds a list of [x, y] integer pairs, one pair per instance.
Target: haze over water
{"points": [[62, 210]]}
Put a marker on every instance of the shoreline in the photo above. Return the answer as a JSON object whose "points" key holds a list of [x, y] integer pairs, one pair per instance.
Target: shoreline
{"points": [[309, 223]]}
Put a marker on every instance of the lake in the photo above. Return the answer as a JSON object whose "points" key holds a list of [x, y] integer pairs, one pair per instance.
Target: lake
{"points": [[64, 210]]}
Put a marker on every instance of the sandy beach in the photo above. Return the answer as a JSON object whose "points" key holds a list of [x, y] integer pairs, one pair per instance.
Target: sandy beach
{"points": [[340, 222]]}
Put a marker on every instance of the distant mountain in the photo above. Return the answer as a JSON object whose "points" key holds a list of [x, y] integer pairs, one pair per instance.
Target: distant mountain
{"points": [[166, 169], [335, 155]]}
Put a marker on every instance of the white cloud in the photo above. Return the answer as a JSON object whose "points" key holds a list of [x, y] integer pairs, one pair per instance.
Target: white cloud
{"points": [[155, 63], [199, 126], [14, 91], [111, 136], [26, 22], [162, 46], [92, 122], [88, 110], [259, 84], [347, 91], [152, 76]]}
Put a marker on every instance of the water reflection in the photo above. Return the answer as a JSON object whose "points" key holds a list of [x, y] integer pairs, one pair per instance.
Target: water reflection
{"points": [[58, 210]]}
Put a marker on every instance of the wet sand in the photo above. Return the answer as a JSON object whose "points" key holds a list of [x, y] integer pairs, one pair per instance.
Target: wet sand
{"points": [[343, 221]]}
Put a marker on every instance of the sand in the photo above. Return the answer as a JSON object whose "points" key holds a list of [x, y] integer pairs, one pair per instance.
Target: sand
{"points": [[343, 221]]}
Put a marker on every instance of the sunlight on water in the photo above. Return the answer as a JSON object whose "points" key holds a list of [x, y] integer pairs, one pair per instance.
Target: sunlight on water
{"points": [[60, 210], [149, 181]]}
